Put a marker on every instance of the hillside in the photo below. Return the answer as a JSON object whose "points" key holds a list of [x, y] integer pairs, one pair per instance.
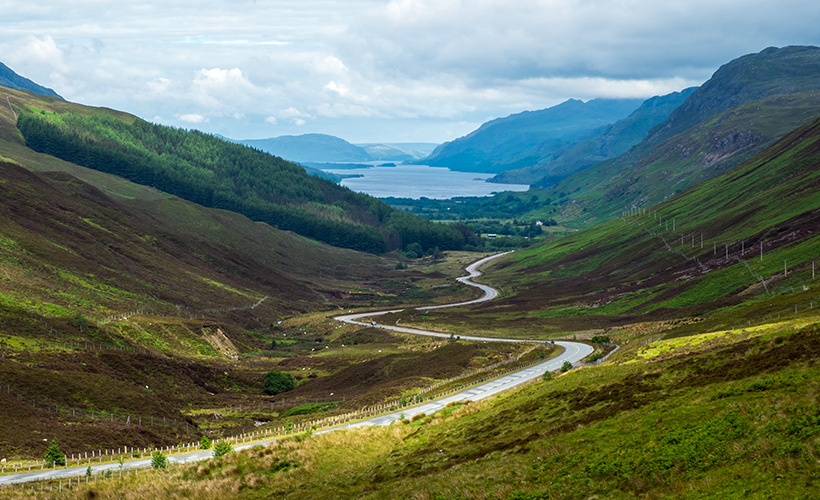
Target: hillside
{"points": [[713, 254], [528, 138], [602, 144], [712, 393], [746, 105], [138, 306], [215, 173]]}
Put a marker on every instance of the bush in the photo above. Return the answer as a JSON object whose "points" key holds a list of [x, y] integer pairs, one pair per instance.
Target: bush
{"points": [[205, 443], [54, 456], [222, 448], [277, 382], [159, 460], [546, 376], [413, 251], [567, 366]]}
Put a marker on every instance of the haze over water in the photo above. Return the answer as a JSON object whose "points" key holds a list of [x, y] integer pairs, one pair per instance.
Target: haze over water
{"points": [[416, 181]]}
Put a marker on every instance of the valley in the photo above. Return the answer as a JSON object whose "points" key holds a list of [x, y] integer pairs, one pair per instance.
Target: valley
{"points": [[165, 289]]}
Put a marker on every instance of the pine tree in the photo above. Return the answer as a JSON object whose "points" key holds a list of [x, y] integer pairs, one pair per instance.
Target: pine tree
{"points": [[54, 456]]}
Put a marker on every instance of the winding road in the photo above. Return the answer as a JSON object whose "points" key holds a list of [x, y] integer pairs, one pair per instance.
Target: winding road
{"points": [[573, 352]]}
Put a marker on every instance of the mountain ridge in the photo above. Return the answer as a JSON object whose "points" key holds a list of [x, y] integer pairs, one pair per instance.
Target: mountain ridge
{"points": [[10, 79], [524, 139], [601, 144]]}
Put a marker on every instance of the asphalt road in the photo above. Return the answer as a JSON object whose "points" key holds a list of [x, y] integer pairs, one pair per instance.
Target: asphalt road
{"points": [[573, 351]]}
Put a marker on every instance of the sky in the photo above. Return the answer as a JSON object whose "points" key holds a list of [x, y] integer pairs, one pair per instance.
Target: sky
{"points": [[379, 70]]}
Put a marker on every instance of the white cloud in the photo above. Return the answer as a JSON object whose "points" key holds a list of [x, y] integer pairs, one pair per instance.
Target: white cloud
{"points": [[193, 118], [369, 69]]}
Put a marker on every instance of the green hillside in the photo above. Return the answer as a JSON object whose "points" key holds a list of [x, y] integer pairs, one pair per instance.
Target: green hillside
{"points": [[215, 173], [135, 304]]}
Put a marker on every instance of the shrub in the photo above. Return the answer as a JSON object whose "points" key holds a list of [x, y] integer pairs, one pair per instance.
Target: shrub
{"points": [[277, 382], [205, 443], [222, 448], [546, 376], [567, 366], [159, 460], [413, 251], [54, 456]]}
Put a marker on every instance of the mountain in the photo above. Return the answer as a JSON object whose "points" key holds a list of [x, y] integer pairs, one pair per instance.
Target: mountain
{"points": [[528, 138], [10, 79], [398, 152], [310, 148], [747, 105], [220, 174], [322, 148], [602, 144]]}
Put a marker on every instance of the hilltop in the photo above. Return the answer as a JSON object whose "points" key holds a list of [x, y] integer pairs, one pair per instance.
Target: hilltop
{"points": [[323, 148]]}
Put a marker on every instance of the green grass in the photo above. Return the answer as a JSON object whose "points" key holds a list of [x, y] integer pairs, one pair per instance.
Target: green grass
{"points": [[737, 419]]}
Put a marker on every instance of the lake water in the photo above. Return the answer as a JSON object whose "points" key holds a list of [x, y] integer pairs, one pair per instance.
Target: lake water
{"points": [[416, 181]]}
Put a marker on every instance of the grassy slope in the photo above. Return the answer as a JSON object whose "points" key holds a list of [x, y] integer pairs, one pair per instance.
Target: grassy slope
{"points": [[735, 418]]}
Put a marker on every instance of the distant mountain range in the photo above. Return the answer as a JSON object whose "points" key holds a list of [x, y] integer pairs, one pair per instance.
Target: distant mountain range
{"points": [[322, 148], [598, 145], [529, 138], [12, 80]]}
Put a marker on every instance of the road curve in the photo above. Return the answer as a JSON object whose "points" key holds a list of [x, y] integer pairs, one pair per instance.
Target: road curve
{"points": [[573, 352]]}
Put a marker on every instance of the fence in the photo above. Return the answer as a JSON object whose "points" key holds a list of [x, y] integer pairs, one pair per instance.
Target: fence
{"points": [[125, 452], [43, 404], [732, 251]]}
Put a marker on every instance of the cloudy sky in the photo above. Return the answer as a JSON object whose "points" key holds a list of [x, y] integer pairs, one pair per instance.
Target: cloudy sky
{"points": [[379, 70]]}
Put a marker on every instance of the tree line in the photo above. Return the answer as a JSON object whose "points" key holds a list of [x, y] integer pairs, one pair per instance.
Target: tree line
{"points": [[216, 173]]}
